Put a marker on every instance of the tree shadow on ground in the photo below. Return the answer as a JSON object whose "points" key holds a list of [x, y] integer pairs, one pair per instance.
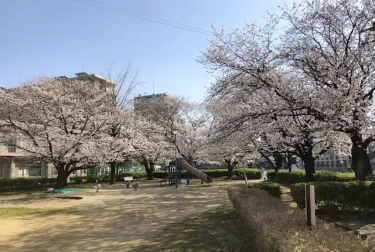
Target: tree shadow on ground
{"points": [[217, 230], [123, 220]]}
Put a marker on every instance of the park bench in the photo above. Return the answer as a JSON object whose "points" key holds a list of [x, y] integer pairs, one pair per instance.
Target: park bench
{"points": [[128, 181]]}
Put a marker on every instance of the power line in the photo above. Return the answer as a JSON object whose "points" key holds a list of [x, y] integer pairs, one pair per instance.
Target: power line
{"points": [[145, 17], [154, 18]]}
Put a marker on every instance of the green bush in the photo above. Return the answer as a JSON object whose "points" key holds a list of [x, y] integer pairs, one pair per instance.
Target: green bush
{"points": [[299, 176], [271, 225], [93, 178], [216, 173], [344, 195], [251, 173], [25, 182], [135, 175], [321, 176], [272, 188], [159, 174], [118, 177]]}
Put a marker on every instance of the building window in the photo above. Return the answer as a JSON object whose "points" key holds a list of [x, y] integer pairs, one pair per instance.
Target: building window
{"points": [[22, 172], [11, 148], [35, 171], [12, 142]]}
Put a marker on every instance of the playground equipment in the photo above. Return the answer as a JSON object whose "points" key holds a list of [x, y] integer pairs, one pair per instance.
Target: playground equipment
{"points": [[203, 176], [174, 173]]}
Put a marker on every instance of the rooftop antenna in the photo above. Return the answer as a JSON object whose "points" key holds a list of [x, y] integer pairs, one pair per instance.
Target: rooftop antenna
{"points": [[153, 83], [82, 63]]}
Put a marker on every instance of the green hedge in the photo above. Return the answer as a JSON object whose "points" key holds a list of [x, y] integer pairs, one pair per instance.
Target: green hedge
{"points": [[159, 174], [272, 188], [135, 175], [25, 182], [105, 177], [299, 176], [251, 173], [345, 195]]}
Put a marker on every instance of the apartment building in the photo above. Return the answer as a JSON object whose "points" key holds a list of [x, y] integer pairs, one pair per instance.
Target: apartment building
{"points": [[15, 164]]}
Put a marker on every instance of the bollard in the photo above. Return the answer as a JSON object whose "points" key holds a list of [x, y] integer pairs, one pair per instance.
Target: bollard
{"points": [[310, 205]]}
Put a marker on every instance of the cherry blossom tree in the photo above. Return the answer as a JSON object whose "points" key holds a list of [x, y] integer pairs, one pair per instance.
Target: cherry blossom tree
{"points": [[125, 81], [64, 122], [157, 118], [177, 122], [326, 43], [321, 67], [151, 145], [268, 122]]}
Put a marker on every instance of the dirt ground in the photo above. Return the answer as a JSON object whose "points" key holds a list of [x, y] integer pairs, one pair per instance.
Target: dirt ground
{"points": [[116, 219]]}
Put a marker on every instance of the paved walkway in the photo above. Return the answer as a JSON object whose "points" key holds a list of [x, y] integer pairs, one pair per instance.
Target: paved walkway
{"points": [[286, 196]]}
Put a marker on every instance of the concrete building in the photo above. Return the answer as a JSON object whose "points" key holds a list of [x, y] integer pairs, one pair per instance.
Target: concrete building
{"points": [[330, 161], [14, 163]]}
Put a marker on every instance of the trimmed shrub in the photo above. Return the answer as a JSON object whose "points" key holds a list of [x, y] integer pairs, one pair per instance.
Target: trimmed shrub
{"points": [[344, 195], [272, 188], [25, 183], [93, 178], [272, 225], [321, 176], [296, 176], [159, 174], [251, 173], [216, 173], [299, 176], [135, 175]]}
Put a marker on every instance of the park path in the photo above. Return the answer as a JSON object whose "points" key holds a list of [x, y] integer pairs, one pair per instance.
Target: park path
{"points": [[111, 220]]}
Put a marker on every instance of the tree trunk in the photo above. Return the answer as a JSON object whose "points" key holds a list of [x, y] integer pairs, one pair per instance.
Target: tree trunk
{"points": [[113, 173], [230, 167], [278, 161], [149, 168], [151, 172], [309, 162], [288, 162], [62, 176], [360, 159]]}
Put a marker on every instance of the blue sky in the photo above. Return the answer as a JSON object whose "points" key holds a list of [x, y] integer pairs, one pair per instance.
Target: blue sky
{"points": [[54, 37]]}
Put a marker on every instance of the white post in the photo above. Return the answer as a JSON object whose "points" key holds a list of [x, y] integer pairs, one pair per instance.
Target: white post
{"points": [[310, 205]]}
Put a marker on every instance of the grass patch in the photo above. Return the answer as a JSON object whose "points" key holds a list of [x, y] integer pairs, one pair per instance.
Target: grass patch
{"points": [[217, 230], [19, 192], [7, 212]]}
